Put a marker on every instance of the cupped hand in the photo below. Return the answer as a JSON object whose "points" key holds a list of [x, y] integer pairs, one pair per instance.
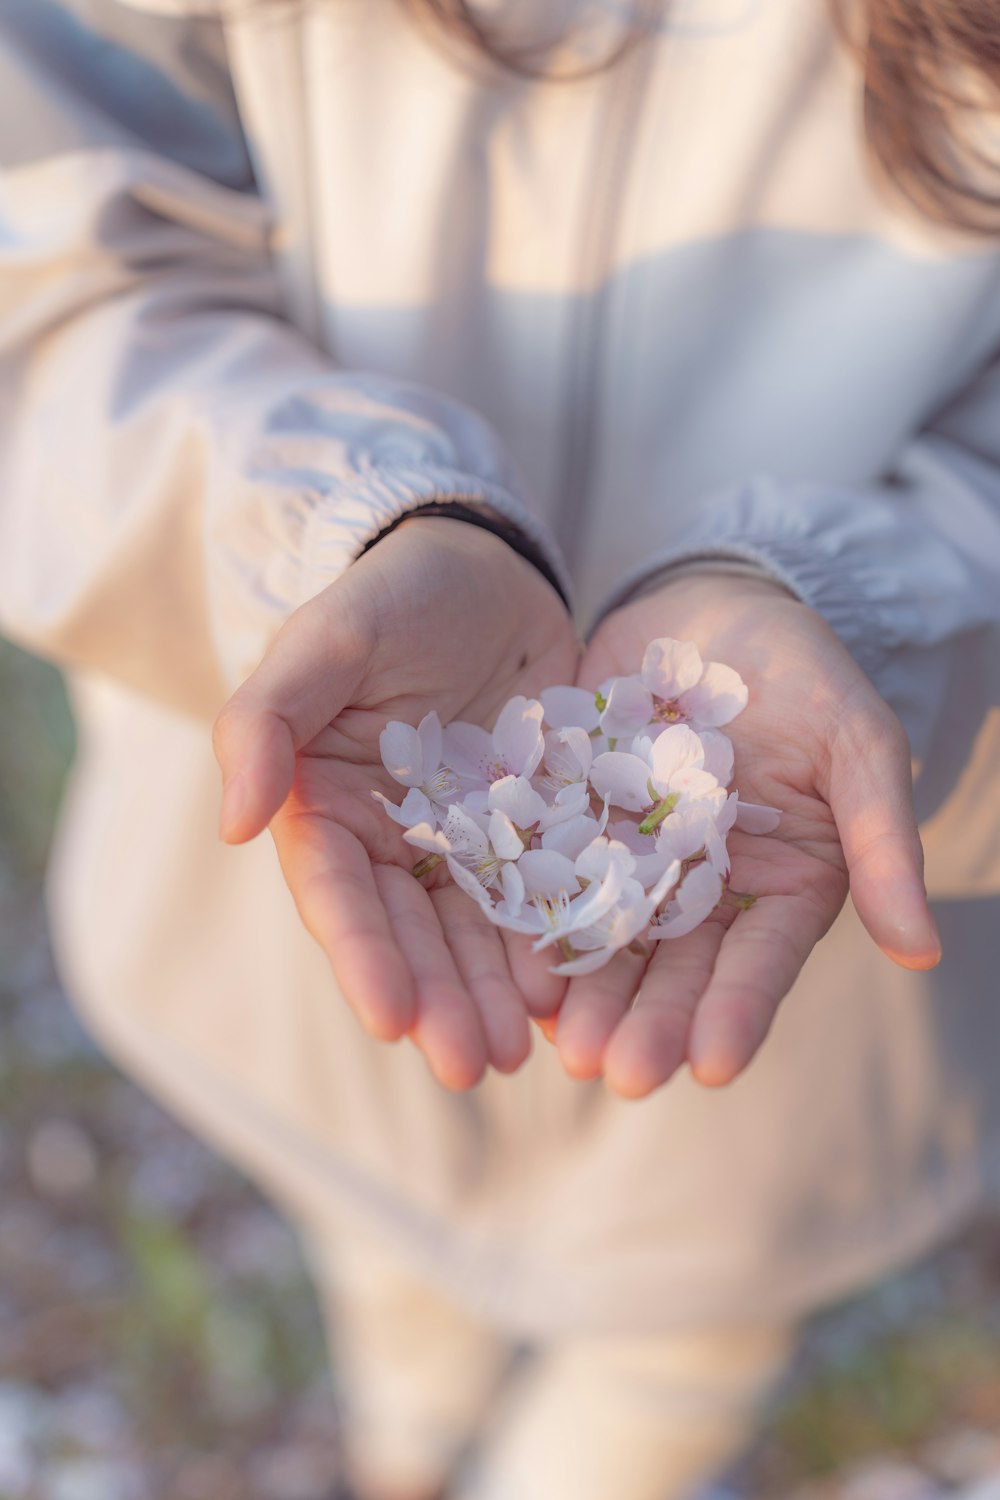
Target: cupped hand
{"points": [[439, 615], [816, 742]]}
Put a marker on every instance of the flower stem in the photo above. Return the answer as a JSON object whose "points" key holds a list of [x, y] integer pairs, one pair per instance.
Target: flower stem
{"points": [[426, 865], [567, 950], [739, 899], [662, 810]]}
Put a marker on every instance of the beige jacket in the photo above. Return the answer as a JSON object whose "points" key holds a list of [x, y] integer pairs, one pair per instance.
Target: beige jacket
{"points": [[257, 274]]}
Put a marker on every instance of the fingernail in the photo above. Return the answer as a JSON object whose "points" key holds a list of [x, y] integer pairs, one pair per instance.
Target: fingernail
{"points": [[234, 798]]}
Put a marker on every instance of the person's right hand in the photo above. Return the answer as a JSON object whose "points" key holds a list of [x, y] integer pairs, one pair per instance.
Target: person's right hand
{"points": [[439, 615]]}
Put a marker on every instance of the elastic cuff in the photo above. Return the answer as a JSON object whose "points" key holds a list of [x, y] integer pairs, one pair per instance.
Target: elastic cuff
{"points": [[475, 514], [800, 541], [339, 532]]}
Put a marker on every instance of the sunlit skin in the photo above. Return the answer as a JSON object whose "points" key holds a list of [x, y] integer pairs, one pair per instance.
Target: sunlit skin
{"points": [[440, 615], [445, 616], [817, 742]]}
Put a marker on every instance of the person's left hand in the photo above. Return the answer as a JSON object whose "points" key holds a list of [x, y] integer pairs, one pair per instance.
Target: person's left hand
{"points": [[816, 742]]}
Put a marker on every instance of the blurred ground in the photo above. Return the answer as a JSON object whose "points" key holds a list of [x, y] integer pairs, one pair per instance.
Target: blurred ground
{"points": [[158, 1336]]}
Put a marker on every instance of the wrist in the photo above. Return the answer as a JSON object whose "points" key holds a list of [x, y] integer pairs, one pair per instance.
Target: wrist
{"points": [[731, 573], [482, 518]]}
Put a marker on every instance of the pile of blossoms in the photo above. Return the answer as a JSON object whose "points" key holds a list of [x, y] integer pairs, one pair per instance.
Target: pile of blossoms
{"points": [[590, 821]]}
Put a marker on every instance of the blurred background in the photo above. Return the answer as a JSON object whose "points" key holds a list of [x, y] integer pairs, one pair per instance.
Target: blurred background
{"points": [[159, 1339]]}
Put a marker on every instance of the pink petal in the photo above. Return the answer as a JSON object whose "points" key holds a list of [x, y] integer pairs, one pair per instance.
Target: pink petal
{"points": [[595, 861], [565, 706], [675, 750], [718, 748], [699, 895], [466, 832], [587, 963], [621, 779], [426, 836], [546, 873], [504, 837], [429, 732], [468, 750], [414, 808], [684, 832], [467, 882], [753, 817], [570, 802], [517, 736], [512, 885], [719, 696], [629, 708], [572, 837], [670, 667], [568, 754], [515, 796], [694, 784], [402, 753]]}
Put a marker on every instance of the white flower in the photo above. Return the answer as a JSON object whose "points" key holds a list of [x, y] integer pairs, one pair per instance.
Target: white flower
{"points": [[571, 707], [606, 918], [511, 812], [698, 895], [537, 893], [698, 830], [650, 859], [575, 834], [515, 747], [655, 774], [413, 758], [674, 686], [753, 817], [463, 841], [718, 748], [569, 754]]}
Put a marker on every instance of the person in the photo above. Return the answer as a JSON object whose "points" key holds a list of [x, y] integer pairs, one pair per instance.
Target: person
{"points": [[333, 358]]}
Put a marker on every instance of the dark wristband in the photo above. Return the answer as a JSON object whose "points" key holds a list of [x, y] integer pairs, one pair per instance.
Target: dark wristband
{"points": [[458, 510]]}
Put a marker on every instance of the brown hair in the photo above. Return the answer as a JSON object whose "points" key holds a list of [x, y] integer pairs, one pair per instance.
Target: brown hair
{"points": [[931, 90], [931, 73], [932, 93]]}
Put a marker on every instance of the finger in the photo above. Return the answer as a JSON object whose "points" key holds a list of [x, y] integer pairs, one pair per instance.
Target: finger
{"points": [[651, 1042], [870, 793], [759, 961], [593, 1006], [330, 877], [308, 675], [446, 1025], [531, 972], [481, 961]]}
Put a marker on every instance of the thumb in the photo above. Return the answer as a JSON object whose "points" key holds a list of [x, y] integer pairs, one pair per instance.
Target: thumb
{"points": [[309, 674], [870, 793]]}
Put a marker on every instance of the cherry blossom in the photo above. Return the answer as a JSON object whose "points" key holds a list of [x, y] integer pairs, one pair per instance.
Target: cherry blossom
{"points": [[655, 774], [674, 686], [413, 757], [611, 914], [571, 707], [695, 899], [464, 841], [515, 748], [520, 815]]}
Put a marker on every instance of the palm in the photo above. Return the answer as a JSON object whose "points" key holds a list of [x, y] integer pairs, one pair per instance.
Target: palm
{"points": [[709, 997], [410, 959]]}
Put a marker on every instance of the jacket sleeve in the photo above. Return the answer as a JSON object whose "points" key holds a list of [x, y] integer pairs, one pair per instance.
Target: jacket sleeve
{"points": [[180, 467], [906, 568]]}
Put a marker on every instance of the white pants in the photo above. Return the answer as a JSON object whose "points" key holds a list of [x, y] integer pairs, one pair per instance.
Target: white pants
{"points": [[421, 1382]]}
